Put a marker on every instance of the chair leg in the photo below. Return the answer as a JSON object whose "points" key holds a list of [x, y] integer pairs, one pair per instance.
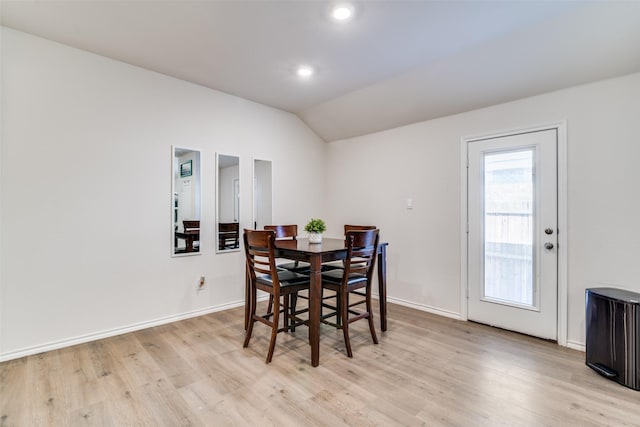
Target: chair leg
{"points": [[274, 328], [270, 306], [286, 304], [292, 311], [344, 309], [252, 315], [370, 316]]}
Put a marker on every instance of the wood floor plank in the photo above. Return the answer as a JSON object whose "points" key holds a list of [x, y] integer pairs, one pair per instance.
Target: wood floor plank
{"points": [[13, 392], [170, 360], [79, 378], [46, 403], [426, 371]]}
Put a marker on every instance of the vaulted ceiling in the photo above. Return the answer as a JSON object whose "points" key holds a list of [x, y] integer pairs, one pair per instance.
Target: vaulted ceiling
{"points": [[394, 63]]}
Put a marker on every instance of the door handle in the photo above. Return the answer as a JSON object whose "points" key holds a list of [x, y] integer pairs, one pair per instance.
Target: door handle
{"points": [[548, 245], [548, 231]]}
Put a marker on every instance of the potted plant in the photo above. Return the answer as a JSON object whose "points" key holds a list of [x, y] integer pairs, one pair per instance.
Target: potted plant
{"points": [[315, 228]]}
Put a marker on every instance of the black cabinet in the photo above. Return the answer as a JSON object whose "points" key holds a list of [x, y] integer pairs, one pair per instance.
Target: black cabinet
{"points": [[613, 334]]}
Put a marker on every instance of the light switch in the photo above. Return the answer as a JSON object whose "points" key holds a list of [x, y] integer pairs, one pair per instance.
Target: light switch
{"points": [[409, 203]]}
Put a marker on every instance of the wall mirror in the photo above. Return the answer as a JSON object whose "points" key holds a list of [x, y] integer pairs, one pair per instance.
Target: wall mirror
{"points": [[185, 204], [228, 203], [262, 194]]}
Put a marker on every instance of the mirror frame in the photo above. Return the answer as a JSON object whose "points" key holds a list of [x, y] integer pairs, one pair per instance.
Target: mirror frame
{"points": [[197, 176], [217, 225], [254, 190]]}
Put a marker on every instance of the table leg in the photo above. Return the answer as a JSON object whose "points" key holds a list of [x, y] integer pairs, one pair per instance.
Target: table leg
{"points": [[315, 301], [382, 285]]}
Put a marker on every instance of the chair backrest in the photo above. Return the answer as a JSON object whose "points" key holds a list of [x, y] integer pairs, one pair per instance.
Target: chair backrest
{"points": [[362, 248], [229, 227], [259, 249], [284, 231], [228, 234], [348, 227], [190, 225]]}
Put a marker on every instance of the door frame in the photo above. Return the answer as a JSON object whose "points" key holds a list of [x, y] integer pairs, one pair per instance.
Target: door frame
{"points": [[561, 129]]}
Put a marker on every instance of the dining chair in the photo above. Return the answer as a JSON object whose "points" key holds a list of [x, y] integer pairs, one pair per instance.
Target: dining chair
{"points": [[347, 227], [263, 275], [192, 225], [228, 235], [357, 274], [288, 232], [333, 265]]}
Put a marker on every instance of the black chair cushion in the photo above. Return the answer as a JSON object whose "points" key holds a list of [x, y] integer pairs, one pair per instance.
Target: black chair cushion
{"points": [[287, 278], [335, 265], [335, 276], [299, 266]]}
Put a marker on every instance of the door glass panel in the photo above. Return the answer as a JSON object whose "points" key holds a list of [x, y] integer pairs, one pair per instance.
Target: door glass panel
{"points": [[508, 227]]}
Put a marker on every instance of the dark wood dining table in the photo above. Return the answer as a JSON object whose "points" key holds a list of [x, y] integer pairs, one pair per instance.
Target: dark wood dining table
{"points": [[190, 236], [315, 254]]}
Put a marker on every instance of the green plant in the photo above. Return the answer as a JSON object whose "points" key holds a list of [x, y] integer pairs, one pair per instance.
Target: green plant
{"points": [[316, 225]]}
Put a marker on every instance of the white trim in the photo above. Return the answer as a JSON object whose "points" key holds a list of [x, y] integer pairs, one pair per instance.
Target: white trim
{"points": [[576, 346], [464, 229], [563, 227], [561, 128], [423, 307], [116, 331]]}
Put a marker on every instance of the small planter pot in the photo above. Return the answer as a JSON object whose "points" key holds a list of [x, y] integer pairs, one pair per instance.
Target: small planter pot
{"points": [[315, 238]]}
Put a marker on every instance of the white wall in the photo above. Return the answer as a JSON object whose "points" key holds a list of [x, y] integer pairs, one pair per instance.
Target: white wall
{"points": [[86, 192], [263, 191], [371, 177]]}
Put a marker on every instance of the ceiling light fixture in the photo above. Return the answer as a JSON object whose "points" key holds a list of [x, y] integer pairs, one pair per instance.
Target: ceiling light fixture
{"points": [[304, 71], [342, 13]]}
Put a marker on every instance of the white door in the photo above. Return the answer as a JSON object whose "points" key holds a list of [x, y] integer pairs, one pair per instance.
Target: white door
{"points": [[512, 234]]}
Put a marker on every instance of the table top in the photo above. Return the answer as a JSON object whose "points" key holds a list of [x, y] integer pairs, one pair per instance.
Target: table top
{"points": [[328, 244], [303, 245]]}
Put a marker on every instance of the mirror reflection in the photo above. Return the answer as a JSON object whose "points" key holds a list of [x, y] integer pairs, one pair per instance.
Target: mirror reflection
{"points": [[186, 201], [262, 188], [228, 209]]}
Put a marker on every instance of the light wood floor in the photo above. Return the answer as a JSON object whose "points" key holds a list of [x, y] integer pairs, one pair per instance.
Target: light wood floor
{"points": [[427, 370]]}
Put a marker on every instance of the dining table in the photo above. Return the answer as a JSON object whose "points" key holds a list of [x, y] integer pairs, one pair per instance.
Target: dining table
{"points": [[190, 236], [330, 249]]}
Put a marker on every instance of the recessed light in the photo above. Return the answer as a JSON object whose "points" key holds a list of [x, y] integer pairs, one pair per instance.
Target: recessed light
{"points": [[342, 12], [304, 71]]}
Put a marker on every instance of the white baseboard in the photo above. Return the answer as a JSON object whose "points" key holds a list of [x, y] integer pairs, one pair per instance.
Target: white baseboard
{"points": [[116, 331], [423, 307], [576, 346]]}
